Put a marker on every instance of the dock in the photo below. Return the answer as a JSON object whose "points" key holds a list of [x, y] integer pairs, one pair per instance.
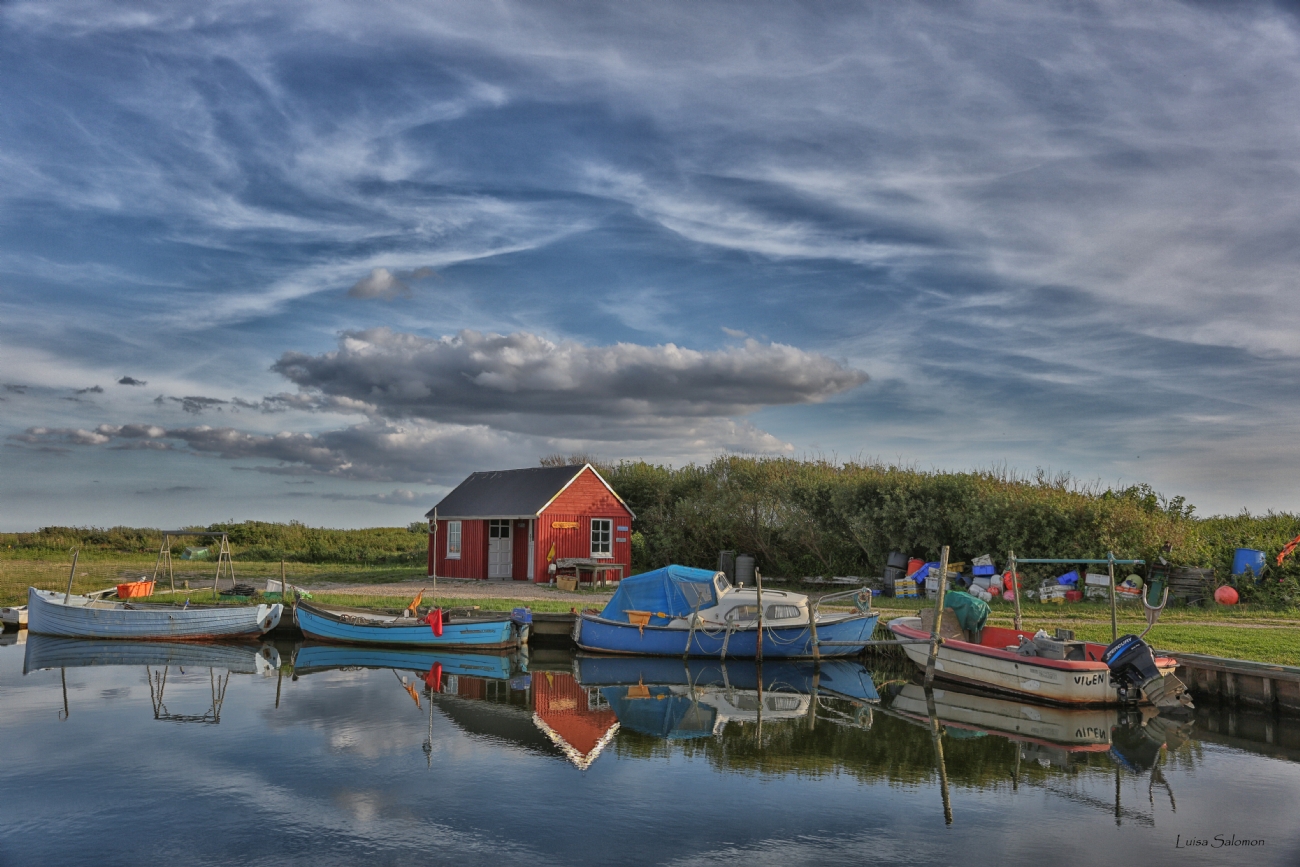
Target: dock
{"points": [[1219, 681]]}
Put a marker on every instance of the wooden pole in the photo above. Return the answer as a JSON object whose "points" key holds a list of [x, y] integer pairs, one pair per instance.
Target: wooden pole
{"points": [[758, 648], [938, 617], [71, 574], [1015, 587], [936, 739], [1114, 623], [812, 627]]}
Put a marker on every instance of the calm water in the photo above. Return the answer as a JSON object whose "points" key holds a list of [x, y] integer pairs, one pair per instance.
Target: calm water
{"points": [[132, 754]]}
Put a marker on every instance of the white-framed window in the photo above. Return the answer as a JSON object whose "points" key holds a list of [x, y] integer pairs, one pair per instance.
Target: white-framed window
{"points": [[602, 537], [453, 540]]}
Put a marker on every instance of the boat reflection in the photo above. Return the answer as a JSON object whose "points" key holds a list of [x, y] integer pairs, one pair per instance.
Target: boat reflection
{"points": [[678, 700], [158, 658]]}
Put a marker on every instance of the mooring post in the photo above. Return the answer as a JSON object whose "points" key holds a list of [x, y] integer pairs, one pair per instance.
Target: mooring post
{"points": [[1114, 623], [813, 608], [1015, 586], [938, 617], [936, 738], [71, 574]]}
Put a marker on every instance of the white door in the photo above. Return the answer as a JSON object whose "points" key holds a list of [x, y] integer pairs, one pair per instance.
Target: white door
{"points": [[500, 556]]}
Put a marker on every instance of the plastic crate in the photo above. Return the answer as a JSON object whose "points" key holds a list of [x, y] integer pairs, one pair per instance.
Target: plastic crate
{"points": [[135, 589]]}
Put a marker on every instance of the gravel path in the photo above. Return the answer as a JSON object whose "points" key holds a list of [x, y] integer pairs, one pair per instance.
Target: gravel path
{"points": [[525, 591]]}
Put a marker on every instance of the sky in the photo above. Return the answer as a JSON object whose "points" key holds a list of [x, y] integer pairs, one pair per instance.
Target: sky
{"points": [[319, 261]]}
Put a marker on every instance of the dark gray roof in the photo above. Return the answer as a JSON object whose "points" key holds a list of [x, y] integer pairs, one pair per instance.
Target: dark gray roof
{"points": [[505, 493]]}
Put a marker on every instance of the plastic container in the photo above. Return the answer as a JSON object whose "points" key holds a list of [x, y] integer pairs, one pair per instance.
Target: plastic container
{"points": [[984, 570], [1092, 579], [897, 559], [744, 570], [914, 564], [1073, 595], [135, 589], [1071, 578], [1248, 558]]}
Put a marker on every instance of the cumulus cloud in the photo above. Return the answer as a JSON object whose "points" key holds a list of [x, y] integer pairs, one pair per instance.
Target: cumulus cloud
{"points": [[524, 382], [382, 283]]}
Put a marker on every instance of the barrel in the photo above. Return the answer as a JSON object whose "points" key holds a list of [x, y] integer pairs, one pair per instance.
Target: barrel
{"points": [[1248, 558], [744, 569], [897, 559]]}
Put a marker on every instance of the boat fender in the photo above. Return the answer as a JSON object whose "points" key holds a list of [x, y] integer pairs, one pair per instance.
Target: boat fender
{"points": [[435, 622]]}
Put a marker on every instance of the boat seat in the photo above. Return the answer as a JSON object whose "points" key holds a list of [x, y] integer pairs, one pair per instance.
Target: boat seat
{"points": [[949, 627]]}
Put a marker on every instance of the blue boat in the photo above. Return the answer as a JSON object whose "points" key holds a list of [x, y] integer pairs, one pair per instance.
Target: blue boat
{"points": [[680, 611], [359, 626], [312, 658]]}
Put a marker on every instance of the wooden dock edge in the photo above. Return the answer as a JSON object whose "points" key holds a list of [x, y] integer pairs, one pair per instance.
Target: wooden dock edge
{"points": [[1223, 681]]}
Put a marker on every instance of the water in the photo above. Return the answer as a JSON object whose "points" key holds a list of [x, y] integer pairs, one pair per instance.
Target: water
{"points": [[186, 756]]}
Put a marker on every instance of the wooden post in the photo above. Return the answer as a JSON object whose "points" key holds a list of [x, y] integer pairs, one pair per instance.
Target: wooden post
{"points": [[71, 574], [938, 616], [1114, 623], [1015, 587], [812, 627], [936, 739], [758, 648]]}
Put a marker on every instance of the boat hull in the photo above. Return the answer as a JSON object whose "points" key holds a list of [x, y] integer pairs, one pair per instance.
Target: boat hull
{"points": [[323, 625], [82, 617], [1083, 683], [594, 633]]}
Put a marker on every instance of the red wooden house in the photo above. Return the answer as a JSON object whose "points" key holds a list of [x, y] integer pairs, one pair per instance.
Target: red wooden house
{"points": [[511, 524]]}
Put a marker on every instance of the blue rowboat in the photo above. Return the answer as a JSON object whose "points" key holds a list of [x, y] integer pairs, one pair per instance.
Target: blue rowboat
{"points": [[358, 626], [324, 657], [680, 611], [72, 616]]}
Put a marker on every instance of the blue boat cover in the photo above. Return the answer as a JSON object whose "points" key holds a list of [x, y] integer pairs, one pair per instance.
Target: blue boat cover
{"points": [[674, 591]]}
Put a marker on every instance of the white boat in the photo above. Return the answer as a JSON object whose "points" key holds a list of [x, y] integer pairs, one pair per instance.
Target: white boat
{"points": [[14, 618], [53, 613], [994, 663]]}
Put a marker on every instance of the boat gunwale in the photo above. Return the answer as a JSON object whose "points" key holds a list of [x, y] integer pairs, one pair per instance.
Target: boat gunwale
{"points": [[960, 645], [336, 615], [802, 627]]}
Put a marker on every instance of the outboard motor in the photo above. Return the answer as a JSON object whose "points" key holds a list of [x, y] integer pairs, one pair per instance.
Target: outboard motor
{"points": [[1133, 672]]}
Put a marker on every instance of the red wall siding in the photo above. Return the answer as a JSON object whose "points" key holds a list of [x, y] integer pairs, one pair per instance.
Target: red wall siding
{"points": [[519, 550], [473, 551], [583, 500]]}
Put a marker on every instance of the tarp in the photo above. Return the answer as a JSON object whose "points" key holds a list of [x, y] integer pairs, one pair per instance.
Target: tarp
{"points": [[675, 591], [971, 613]]}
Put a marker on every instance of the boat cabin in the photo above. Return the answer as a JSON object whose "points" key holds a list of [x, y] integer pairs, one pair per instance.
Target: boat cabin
{"points": [[516, 524]]}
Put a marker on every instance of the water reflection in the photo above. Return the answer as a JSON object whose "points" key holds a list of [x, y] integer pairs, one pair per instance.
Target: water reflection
{"points": [[355, 754]]}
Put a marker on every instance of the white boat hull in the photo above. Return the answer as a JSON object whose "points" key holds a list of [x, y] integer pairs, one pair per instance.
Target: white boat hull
{"points": [[83, 617], [1060, 681]]}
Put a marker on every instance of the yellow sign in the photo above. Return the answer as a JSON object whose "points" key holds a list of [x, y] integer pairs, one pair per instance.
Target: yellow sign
{"points": [[564, 525]]}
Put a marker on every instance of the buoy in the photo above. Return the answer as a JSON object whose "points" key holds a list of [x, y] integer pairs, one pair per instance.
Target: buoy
{"points": [[995, 590], [1226, 595]]}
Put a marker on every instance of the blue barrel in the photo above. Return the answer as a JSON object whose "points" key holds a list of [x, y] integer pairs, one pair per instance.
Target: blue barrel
{"points": [[1248, 558]]}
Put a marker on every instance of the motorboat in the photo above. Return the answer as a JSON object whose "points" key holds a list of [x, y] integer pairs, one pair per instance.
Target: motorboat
{"points": [[682, 611]]}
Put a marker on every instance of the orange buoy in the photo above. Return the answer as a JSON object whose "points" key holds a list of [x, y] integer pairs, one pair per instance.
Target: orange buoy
{"points": [[1226, 595]]}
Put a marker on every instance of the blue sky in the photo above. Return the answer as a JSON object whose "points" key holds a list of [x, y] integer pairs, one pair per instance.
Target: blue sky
{"points": [[319, 261]]}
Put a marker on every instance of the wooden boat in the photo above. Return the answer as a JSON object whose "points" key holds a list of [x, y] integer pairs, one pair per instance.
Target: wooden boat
{"points": [[495, 631], [14, 618], [53, 613], [993, 664], [49, 651], [680, 611]]}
